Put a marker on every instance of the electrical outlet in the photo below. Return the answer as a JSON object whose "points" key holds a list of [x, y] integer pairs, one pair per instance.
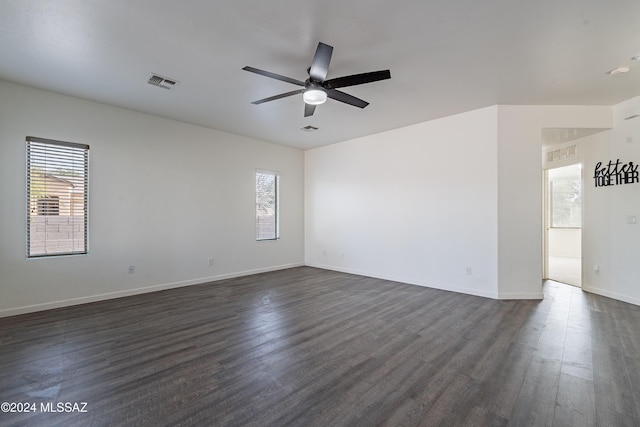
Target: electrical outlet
{"points": [[469, 271], [132, 269], [596, 269], [211, 262]]}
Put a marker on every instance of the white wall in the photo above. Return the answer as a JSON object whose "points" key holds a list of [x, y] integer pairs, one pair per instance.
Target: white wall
{"points": [[520, 188], [165, 196], [423, 203], [417, 204], [609, 240]]}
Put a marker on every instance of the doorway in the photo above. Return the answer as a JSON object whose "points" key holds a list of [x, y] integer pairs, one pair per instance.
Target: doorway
{"points": [[563, 224]]}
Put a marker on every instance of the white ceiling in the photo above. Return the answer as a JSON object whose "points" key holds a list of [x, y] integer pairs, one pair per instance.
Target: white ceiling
{"points": [[445, 57]]}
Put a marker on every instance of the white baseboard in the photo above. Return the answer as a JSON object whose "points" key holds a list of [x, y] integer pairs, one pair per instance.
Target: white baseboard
{"points": [[408, 281], [136, 291], [614, 295]]}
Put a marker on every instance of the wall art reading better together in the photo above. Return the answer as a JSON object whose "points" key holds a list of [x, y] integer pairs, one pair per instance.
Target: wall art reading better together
{"points": [[615, 173]]}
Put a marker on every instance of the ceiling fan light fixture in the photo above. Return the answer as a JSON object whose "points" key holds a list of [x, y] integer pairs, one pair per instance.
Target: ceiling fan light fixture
{"points": [[618, 71], [314, 96]]}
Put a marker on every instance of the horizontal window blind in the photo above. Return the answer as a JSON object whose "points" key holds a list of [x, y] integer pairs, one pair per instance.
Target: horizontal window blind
{"points": [[57, 193], [267, 206]]}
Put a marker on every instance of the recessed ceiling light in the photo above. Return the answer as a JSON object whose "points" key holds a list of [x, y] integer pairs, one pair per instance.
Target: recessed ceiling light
{"points": [[618, 71]]}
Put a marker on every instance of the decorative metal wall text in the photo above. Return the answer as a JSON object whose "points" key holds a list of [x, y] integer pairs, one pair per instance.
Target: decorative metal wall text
{"points": [[615, 173]]}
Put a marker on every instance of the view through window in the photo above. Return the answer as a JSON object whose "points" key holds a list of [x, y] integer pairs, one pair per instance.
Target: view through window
{"points": [[57, 186], [565, 198], [267, 205]]}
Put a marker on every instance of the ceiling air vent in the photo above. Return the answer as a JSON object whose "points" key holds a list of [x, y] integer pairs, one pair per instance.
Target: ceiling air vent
{"points": [[309, 128], [162, 82]]}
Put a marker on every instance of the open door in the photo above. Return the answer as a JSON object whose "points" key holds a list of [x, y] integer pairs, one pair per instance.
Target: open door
{"points": [[563, 224]]}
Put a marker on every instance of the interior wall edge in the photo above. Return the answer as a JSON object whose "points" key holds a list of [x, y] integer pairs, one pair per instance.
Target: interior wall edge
{"points": [[414, 282], [609, 294]]}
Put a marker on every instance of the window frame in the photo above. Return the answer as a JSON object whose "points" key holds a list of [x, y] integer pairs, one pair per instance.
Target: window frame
{"points": [[62, 155], [276, 232]]}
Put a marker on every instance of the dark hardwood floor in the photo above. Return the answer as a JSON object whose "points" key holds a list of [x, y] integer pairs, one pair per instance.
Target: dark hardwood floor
{"points": [[309, 347]]}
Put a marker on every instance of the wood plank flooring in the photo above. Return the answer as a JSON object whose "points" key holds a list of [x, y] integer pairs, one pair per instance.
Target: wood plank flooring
{"points": [[309, 347]]}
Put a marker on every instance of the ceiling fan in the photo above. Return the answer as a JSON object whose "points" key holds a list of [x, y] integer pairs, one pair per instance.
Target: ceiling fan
{"points": [[316, 89]]}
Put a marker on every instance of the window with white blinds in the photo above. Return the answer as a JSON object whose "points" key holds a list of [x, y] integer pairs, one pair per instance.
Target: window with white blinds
{"points": [[267, 205], [57, 192]]}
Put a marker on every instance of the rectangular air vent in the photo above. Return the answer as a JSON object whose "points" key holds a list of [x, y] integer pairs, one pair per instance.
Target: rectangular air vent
{"points": [[562, 154], [162, 82]]}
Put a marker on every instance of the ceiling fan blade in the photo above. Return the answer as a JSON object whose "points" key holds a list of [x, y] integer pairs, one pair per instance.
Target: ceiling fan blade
{"points": [[273, 75], [282, 95], [346, 98], [309, 109], [320, 64], [357, 79]]}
